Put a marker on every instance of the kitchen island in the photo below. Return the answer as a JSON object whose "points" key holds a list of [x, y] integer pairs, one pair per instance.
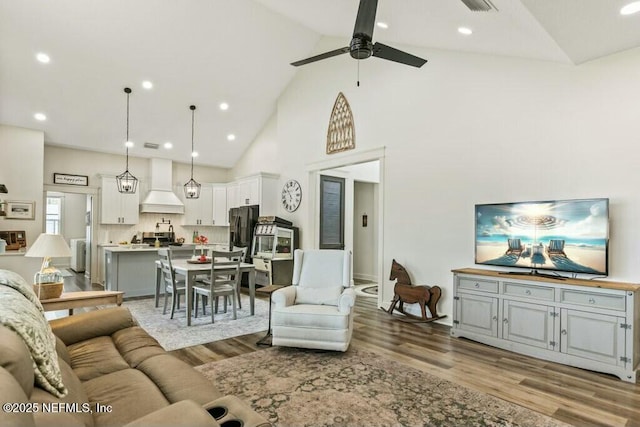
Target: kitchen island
{"points": [[131, 269]]}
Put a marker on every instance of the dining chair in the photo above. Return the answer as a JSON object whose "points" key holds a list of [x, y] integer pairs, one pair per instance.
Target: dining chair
{"points": [[223, 281], [171, 284], [244, 250]]}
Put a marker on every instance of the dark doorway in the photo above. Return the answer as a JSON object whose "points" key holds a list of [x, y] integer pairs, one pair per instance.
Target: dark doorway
{"points": [[331, 212]]}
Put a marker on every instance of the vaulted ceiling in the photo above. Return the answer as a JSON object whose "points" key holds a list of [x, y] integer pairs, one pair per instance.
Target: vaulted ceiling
{"points": [[206, 52]]}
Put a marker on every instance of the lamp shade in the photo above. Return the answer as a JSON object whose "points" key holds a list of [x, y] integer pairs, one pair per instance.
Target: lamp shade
{"points": [[49, 246]]}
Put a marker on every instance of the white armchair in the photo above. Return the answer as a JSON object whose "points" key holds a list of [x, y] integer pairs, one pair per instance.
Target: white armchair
{"points": [[317, 311]]}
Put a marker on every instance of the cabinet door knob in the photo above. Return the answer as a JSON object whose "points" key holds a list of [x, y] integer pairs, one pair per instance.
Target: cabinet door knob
{"points": [[592, 301], [528, 292], [505, 320], [563, 332], [477, 285], [495, 318]]}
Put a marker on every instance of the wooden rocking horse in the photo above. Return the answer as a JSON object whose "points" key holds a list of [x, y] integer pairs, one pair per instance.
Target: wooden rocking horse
{"points": [[405, 292]]}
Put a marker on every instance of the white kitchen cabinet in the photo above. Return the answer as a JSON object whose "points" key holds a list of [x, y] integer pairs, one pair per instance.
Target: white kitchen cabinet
{"points": [[249, 191], [261, 189], [583, 323], [116, 207], [220, 211], [232, 196], [198, 211]]}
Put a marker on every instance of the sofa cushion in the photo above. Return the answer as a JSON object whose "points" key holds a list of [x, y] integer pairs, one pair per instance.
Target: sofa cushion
{"points": [[177, 380], [315, 268], [23, 313], [76, 397], [62, 351], [94, 323], [174, 415], [95, 357], [136, 345], [311, 317], [130, 393], [321, 295], [14, 357], [11, 391]]}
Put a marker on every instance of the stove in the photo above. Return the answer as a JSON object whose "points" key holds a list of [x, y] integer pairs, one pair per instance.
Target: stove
{"points": [[165, 238]]}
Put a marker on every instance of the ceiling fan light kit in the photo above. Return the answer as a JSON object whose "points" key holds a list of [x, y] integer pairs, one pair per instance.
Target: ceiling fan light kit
{"points": [[362, 46], [192, 187], [127, 183]]}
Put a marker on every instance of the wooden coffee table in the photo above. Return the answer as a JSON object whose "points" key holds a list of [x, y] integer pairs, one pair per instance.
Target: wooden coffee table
{"points": [[71, 300]]}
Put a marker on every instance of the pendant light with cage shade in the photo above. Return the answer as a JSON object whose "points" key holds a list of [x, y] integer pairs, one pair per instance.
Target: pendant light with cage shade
{"points": [[127, 183], [192, 187]]}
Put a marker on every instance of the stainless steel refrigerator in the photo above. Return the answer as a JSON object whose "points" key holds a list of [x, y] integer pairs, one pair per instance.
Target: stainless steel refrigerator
{"points": [[242, 223]]}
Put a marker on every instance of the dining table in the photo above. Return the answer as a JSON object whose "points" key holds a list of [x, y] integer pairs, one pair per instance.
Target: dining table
{"points": [[191, 270]]}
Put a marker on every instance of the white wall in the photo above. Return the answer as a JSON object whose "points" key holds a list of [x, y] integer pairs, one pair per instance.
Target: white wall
{"points": [[73, 216], [365, 249], [21, 165], [468, 129]]}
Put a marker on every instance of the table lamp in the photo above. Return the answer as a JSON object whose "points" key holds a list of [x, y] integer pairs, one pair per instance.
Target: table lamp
{"points": [[48, 282]]}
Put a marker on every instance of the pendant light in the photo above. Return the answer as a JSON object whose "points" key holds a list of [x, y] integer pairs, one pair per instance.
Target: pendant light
{"points": [[192, 187], [127, 183]]}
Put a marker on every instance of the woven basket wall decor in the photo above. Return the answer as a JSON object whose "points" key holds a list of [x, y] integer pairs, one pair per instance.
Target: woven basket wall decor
{"points": [[341, 134]]}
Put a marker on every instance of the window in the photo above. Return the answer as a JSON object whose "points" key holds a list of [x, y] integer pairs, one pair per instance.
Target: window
{"points": [[54, 215], [331, 212]]}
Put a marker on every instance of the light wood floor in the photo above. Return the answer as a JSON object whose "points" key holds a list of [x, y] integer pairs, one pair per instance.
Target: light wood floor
{"points": [[575, 396], [572, 395]]}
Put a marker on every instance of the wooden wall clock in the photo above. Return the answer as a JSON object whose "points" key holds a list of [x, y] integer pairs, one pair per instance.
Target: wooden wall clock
{"points": [[291, 195]]}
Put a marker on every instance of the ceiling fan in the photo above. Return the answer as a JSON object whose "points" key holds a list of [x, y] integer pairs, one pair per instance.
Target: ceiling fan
{"points": [[361, 46]]}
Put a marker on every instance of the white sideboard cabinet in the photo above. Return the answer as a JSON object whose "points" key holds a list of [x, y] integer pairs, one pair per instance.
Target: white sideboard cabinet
{"points": [[590, 324]]}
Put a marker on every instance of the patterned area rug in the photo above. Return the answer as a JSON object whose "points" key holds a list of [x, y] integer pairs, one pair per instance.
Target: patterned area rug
{"points": [[294, 387], [368, 290], [174, 333]]}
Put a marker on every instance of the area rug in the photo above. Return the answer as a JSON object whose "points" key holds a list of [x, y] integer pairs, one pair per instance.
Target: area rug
{"points": [[368, 290], [174, 333], [293, 387]]}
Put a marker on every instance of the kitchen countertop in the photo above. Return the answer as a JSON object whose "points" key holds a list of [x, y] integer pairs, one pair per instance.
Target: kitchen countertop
{"points": [[144, 248], [136, 247]]}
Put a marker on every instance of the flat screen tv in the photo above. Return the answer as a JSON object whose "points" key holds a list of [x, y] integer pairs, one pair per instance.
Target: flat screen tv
{"points": [[562, 235]]}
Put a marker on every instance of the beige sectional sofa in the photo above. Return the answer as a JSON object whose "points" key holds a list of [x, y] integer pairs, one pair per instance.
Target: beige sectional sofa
{"points": [[112, 373]]}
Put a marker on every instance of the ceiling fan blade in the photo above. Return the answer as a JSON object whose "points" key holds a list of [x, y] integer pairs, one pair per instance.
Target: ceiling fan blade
{"points": [[366, 18], [321, 56], [392, 54]]}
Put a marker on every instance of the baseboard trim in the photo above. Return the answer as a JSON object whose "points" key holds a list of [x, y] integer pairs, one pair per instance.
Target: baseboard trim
{"points": [[368, 277]]}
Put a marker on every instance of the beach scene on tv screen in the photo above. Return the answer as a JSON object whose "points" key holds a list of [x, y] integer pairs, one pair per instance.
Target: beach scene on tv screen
{"points": [[567, 235]]}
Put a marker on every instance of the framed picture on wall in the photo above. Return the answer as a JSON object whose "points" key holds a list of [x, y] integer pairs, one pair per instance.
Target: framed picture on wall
{"points": [[20, 210]]}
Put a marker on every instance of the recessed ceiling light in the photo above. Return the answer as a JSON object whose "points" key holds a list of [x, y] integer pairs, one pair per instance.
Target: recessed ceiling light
{"points": [[631, 8], [40, 116], [43, 57], [231, 137], [168, 145], [147, 84], [194, 154], [224, 106], [128, 144], [383, 25], [464, 30]]}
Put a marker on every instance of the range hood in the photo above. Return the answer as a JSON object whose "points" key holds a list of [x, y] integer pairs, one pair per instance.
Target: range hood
{"points": [[161, 198]]}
